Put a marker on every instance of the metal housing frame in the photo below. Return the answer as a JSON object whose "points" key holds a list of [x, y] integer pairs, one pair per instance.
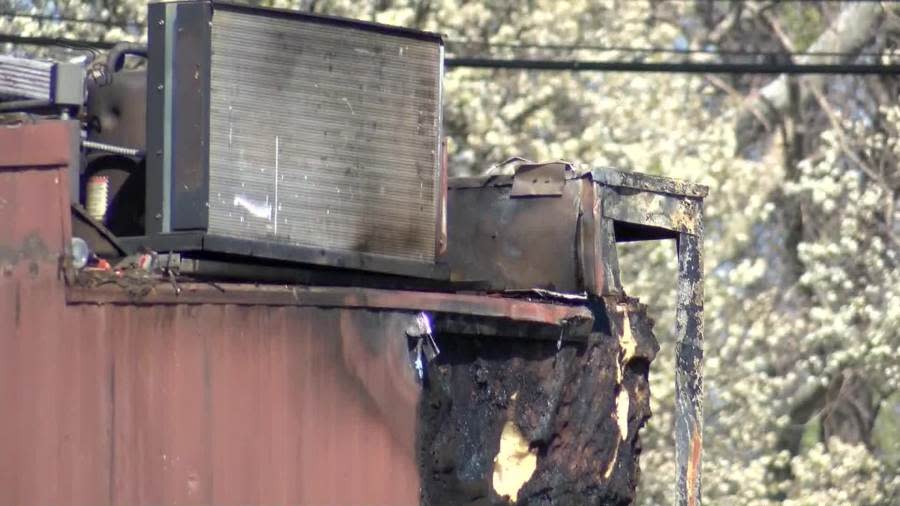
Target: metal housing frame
{"points": [[552, 227], [642, 207], [178, 79]]}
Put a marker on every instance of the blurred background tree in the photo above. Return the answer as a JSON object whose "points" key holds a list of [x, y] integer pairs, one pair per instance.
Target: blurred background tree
{"points": [[802, 226]]}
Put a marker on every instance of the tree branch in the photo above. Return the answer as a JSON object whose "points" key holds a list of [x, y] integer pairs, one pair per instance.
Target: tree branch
{"points": [[850, 32]]}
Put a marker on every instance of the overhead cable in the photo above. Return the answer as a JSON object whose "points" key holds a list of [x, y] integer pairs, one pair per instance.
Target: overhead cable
{"points": [[672, 67], [577, 65]]}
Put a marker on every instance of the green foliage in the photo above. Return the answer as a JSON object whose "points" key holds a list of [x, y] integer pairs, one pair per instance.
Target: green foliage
{"points": [[804, 22]]}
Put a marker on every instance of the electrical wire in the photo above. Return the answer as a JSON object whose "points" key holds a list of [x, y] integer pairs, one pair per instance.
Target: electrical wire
{"points": [[54, 41], [811, 2], [542, 47], [775, 55], [648, 50], [686, 67], [67, 19], [578, 65]]}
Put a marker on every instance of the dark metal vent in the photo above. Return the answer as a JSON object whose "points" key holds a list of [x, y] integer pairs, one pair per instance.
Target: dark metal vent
{"points": [[324, 135]]}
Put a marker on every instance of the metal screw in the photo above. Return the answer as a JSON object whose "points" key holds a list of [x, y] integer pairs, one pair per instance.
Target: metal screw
{"points": [[159, 87], [162, 22]]}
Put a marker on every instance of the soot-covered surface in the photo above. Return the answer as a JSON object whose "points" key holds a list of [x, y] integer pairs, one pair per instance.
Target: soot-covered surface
{"points": [[565, 404]]}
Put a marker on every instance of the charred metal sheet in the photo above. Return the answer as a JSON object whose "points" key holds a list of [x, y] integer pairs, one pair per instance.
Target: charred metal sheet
{"points": [[612, 284], [652, 209], [646, 182], [575, 328], [247, 269], [689, 369], [441, 234], [578, 408], [565, 242], [457, 183], [514, 243], [590, 233], [216, 246], [611, 207], [573, 321], [550, 295], [597, 260], [540, 180]]}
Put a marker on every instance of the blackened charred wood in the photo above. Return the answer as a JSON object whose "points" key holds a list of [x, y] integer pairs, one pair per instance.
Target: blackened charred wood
{"points": [[575, 411]]}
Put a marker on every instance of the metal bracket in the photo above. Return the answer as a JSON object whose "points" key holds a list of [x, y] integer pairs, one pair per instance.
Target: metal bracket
{"points": [[540, 180]]}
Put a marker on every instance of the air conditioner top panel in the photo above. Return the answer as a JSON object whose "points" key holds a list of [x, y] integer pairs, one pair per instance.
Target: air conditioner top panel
{"points": [[323, 19]]}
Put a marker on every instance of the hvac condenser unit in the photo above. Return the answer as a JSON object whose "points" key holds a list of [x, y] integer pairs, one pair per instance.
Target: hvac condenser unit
{"points": [[294, 136]]}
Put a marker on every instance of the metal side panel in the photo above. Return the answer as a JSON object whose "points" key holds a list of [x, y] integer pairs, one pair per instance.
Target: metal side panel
{"points": [[156, 82], [651, 209], [171, 404], [189, 43], [177, 116], [515, 243], [324, 134]]}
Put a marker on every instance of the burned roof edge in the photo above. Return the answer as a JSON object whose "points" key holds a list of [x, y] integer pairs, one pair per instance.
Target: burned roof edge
{"points": [[160, 292], [641, 181], [602, 175]]}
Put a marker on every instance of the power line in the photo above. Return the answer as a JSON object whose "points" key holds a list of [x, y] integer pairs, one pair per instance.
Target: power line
{"points": [[544, 47], [67, 19], [54, 41], [125, 25], [812, 2], [577, 65], [672, 67], [650, 49]]}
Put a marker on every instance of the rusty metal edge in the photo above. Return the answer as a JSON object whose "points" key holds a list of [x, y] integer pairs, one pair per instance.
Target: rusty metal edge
{"points": [[689, 370], [681, 214], [578, 330], [641, 181], [24, 145], [460, 183], [339, 297], [602, 176], [590, 257]]}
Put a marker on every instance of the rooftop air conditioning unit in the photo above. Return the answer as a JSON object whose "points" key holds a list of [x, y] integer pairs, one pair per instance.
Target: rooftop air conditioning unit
{"points": [[293, 136]]}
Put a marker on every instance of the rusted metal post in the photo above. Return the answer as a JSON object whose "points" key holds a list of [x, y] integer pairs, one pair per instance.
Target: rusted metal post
{"points": [[689, 369]]}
